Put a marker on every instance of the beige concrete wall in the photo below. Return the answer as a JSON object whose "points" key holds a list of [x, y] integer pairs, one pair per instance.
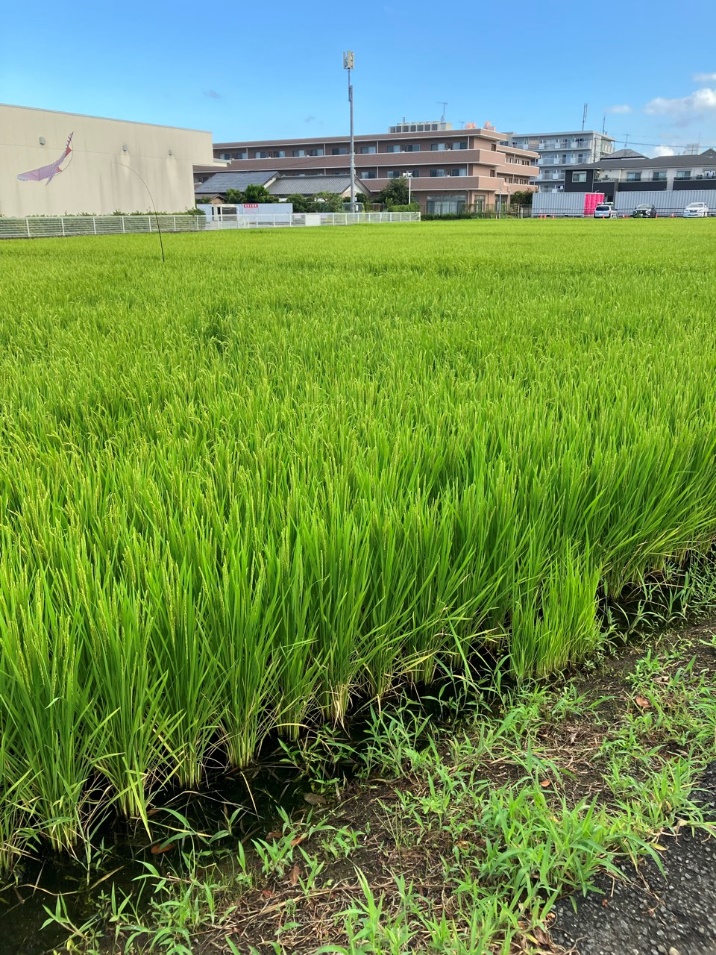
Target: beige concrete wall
{"points": [[99, 176]]}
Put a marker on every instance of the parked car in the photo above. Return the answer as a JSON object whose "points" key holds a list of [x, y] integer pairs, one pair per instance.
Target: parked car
{"points": [[605, 210], [644, 212], [696, 210]]}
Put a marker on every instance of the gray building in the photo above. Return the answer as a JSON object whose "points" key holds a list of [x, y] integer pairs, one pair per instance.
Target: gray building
{"points": [[630, 171], [559, 152]]}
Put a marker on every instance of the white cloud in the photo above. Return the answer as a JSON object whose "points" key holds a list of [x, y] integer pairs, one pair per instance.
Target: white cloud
{"points": [[697, 102], [704, 77], [664, 151], [623, 108]]}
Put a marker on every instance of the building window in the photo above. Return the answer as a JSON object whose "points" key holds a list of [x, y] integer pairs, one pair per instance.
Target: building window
{"points": [[461, 144], [445, 205], [366, 150], [683, 174], [579, 177], [298, 152], [226, 156], [415, 173], [394, 173], [633, 177], [368, 174], [439, 147], [278, 154], [659, 175], [317, 151], [339, 151], [459, 171], [262, 154], [437, 173]]}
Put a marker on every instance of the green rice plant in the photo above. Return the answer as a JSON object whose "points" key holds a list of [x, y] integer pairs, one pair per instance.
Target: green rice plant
{"points": [[288, 471], [127, 703], [45, 704], [242, 623]]}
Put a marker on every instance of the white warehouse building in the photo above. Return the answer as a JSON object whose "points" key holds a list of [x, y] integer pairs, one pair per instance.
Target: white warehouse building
{"points": [[54, 163]]}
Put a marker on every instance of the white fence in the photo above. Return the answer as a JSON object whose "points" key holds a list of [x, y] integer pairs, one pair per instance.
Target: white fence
{"points": [[668, 202], [37, 227], [55, 226], [248, 221]]}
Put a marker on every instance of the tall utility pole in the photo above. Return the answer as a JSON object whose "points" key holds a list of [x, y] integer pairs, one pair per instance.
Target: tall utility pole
{"points": [[348, 63], [584, 115]]}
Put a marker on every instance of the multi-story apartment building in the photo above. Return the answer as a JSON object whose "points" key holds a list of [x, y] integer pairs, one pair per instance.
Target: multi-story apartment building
{"points": [[449, 169], [559, 152]]}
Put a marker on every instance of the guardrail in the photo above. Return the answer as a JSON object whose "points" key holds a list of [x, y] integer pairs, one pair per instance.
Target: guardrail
{"points": [[59, 226]]}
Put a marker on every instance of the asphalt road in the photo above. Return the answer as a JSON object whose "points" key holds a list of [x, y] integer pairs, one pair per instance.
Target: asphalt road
{"points": [[652, 914]]}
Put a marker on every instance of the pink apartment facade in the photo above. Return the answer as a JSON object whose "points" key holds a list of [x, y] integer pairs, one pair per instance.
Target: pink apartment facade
{"points": [[449, 169]]}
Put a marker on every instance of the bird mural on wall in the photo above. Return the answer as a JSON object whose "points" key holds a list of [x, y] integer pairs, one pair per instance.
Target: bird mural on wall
{"points": [[51, 170]]}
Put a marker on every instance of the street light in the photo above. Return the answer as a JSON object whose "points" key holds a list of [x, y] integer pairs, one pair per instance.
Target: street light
{"points": [[348, 64], [409, 177]]}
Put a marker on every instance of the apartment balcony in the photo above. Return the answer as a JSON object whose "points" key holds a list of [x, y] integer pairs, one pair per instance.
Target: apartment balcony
{"points": [[486, 158], [517, 169], [424, 184]]}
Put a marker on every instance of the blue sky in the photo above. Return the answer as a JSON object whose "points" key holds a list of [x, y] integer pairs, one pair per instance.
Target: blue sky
{"points": [[276, 70]]}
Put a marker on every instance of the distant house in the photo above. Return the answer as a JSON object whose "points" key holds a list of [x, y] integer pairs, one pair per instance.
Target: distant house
{"points": [[310, 186], [214, 188], [628, 171]]}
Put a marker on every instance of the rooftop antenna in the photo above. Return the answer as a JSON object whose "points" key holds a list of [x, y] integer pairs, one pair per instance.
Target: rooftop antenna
{"points": [[584, 115], [444, 104]]}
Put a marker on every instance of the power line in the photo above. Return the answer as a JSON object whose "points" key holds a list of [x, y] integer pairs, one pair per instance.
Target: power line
{"points": [[627, 140]]}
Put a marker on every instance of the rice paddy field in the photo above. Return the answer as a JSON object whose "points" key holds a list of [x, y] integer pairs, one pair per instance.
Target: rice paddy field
{"points": [[285, 471]]}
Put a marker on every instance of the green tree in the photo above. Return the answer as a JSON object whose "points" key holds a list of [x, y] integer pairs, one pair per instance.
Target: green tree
{"points": [[255, 193], [521, 198], [328, 202], [395, 193], [234, 196], [300, 203]]}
